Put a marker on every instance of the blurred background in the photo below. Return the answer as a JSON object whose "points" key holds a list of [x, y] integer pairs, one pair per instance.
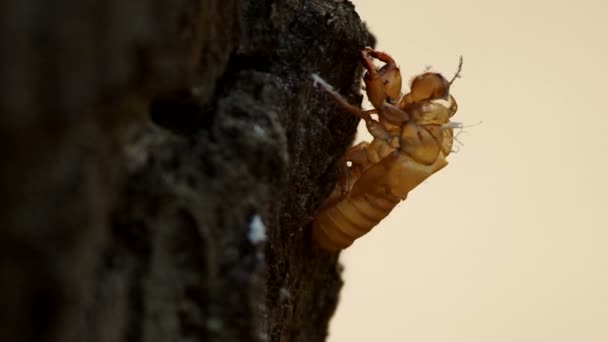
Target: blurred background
{"points": [[510, 241]]}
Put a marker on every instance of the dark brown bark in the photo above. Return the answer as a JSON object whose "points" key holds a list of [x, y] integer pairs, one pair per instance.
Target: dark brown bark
{"points": [[141, 139]]}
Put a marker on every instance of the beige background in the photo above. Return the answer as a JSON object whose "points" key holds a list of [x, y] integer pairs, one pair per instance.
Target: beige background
{"points": [[510, 241]]}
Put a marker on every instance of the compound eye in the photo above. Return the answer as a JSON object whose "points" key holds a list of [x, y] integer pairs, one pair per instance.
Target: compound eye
{"points": [[429, 86]]}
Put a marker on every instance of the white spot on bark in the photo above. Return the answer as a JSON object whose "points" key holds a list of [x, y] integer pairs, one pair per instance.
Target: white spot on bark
{"points": [[257, 230]]}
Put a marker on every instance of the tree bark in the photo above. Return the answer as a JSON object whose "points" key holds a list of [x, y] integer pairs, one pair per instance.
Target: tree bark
{"points": [[162, 162]]}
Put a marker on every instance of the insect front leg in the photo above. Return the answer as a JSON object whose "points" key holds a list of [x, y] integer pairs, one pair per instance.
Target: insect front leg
{"points": [[422, 143], [383, 87]]}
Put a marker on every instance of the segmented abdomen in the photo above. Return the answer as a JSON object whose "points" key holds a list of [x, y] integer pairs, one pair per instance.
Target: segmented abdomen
{"points": [[339, 226]]}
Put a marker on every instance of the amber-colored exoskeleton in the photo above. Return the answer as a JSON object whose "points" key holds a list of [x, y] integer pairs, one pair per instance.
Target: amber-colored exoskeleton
{"points": [[412, 137]]}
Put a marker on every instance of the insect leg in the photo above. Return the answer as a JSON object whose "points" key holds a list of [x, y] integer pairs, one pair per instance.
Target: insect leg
{"points": [[360, 113], [382, 85], [453, 106], [382, 56], [347, 175]]}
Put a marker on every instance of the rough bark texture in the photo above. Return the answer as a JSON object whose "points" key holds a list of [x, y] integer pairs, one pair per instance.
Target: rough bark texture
{"points": [[141, 139]]}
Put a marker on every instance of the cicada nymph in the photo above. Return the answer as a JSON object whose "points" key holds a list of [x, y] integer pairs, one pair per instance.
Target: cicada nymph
{"points": [[412, 136]]}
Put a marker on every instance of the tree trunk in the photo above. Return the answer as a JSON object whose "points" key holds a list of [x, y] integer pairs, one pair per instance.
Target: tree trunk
{"points": [[161, 163]]}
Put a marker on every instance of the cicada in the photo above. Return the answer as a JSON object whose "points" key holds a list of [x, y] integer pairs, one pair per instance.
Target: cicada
{"points": [[412, 136]]}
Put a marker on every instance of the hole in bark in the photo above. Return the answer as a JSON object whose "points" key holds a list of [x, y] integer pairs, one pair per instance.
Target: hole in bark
{"points": [[179, 112]]}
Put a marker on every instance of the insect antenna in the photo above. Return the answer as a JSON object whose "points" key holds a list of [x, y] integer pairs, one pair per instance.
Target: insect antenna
{"points": [[457, 75]]}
